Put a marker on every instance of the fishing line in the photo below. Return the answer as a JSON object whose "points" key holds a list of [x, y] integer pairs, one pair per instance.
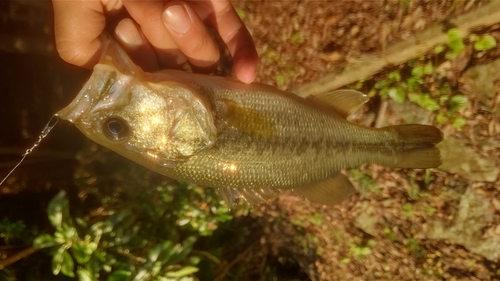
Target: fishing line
{"points": [[46, 130]]}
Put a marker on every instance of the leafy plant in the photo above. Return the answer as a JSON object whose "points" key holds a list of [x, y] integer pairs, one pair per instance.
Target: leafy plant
{"points": [[397, 88], [360, 251], [454, 105], [412, 244], [414, 82], [297, 38], [407, 210], [131, 244], [424, 100], [12, 230], [366, 182], [455, 43], [390, 234], [487, 42]]}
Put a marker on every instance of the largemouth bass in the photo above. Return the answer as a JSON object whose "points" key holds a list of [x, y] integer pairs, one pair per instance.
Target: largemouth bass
{"points": [[248, 141]]}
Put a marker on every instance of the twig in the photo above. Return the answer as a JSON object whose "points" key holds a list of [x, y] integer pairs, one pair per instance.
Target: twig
{"points": [[207, 255], [381, 114], [131, 256], [399, 53], [238, 258], [19, 255]]}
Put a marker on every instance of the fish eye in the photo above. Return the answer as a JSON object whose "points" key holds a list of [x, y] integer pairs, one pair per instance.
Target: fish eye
{"points": [[115, 129]]}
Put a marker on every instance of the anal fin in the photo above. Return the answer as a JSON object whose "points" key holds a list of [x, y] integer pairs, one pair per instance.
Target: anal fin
{"points": [[331, 191], [252, 196]]}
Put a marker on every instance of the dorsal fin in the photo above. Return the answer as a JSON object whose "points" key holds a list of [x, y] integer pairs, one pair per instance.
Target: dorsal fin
{"points": [[331, 191], [345, 102]]}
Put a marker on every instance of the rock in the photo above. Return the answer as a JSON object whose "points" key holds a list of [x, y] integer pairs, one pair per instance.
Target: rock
{"points": [[483, 78], [473, 215], [367, 221], [393, 113], [462, 160]]}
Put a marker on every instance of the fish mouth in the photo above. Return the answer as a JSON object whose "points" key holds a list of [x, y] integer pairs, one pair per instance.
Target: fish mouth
{"points": [[99, 83], [79, 106]]}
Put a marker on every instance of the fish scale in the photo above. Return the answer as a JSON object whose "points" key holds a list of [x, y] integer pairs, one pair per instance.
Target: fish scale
{"points": [[248, 141]]}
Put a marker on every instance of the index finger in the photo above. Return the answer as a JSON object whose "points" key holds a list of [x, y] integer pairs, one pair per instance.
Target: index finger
{"points": [[77, 27], [237, 38]]}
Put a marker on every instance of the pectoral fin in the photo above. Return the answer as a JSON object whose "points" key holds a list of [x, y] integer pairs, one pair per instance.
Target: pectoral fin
{"points": [[344, 102], [248, 120], [331, 191]]}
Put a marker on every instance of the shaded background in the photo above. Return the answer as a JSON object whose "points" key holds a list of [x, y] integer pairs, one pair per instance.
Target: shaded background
{"points": [[34, 84]]}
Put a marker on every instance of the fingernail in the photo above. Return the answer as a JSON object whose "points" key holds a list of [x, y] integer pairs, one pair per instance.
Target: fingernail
{"points": [[245, 66], [177, 19], [127, 33]]}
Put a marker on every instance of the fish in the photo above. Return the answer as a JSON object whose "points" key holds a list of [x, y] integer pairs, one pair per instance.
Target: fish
{"points": [[249, 141]]}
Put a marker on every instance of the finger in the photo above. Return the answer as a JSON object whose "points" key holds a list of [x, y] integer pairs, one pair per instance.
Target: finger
{"points": [[237, 39], [189, 33], [77, 27], [136, 45], [148, 14]]}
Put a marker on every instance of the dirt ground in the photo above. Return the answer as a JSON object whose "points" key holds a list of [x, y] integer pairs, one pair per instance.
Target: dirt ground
{"points": [[387, 233]]}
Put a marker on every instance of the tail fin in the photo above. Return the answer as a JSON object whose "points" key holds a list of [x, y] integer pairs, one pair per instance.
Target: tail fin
{"points": [[418, 146]]}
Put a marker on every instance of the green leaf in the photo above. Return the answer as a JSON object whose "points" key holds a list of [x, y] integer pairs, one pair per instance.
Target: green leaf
{"points": [[407, 210], [395, 76], [425, 101], [98, 229], [67, 264], [316, 219], [459, 122], [121, 218], [438, 49], [297, 38], [83, 251], [417, 71], [487, 42], [457, 102], [381, 84], [430, 104], [455, 41], [428, 69], [159, 250], [183, 251], [241, 13], [412, 244], [441, 118], [58, 210], [280, 80], [450, 55], [120, 275], [413, 82], [84, 274], [397, 94], [142, 274], [185, 271], [69, 233], [44, 241], [11, 230], [57, 259]]}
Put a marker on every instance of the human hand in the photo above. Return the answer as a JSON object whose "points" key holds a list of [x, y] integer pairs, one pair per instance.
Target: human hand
{"points": [[156, 34]]}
